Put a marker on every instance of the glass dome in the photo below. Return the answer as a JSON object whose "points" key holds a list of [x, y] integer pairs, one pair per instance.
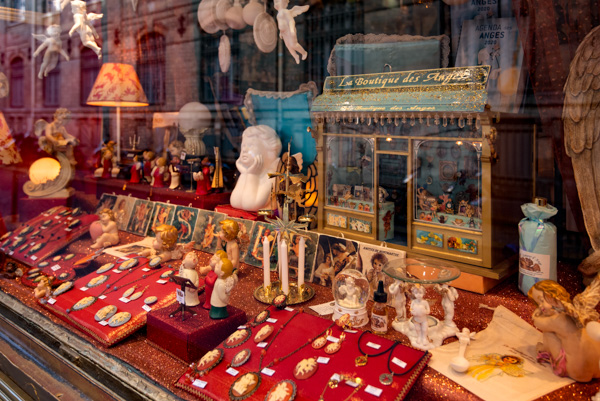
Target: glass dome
{"points": [[421, 271], [351, 289]]}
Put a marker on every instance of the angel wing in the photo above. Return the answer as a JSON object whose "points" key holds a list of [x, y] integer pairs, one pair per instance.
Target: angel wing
{"points": [[39, 37], [514, 370], [581, 130], [297, 10], [94, 16], [40, 127], [230, 282], [584, 304], [3, 85]]}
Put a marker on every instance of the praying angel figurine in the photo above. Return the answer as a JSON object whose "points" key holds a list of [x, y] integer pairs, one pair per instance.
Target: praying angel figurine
{"points": [[53, 47], [82, 24], [287, 27]]}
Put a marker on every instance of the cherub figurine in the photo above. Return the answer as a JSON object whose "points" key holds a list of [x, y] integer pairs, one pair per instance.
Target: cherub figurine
{"points": [[226, 280], [149, 161], [54, 138], [229, 234], [567, 346], [158, 173], [211, 276], [398, 292], [43, 288], [449, 296], [110, 231], [419, 308], [287, 27], [83, 26], [164, 244], [53, 45], [350, 292], [188, 270]]}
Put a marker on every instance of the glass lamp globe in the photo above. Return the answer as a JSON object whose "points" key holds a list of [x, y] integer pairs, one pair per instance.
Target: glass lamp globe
{"points": [[351, 293]]}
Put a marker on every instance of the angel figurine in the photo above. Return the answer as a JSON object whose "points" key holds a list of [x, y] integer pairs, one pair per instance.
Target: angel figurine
{"points": [[226, 280], [287, 27], [165, 244], [398, 292], [53, 45], [82, 24], [567, 346], [419, 308]]}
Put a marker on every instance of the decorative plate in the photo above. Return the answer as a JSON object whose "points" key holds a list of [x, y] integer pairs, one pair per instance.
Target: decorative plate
{"points": [[56, 258], [263, 333], [70, 256], [155, 261], [306, 368], [262, 317], [105, 313], [63, 276], [33, 271], [31, 276], [244, 386], [280, 301], [237, 338], [129, 291], [105, 267], [265, 33], [285, 390], [84, 303], [241, 357], [319, 342], [36, 247], [96, 281], [332, 348], [64, 287], [119, 319], [166, 274], [74, 223], [137, 295], [25, 230], [43, 264], [150, 300], [128, 264], [209, 361]]}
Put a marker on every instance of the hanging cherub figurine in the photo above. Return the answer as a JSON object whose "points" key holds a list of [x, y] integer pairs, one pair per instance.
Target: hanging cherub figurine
{"points": [[82, 24], [53, 45], [287, 27], [570, 342]]}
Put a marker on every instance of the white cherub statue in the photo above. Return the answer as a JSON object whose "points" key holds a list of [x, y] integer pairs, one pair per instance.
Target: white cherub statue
{"points": [[419, 308], [287, 27], [82, 24], [51, 42], [449, 295], [188, 270], [350, 292], [398, 292]]}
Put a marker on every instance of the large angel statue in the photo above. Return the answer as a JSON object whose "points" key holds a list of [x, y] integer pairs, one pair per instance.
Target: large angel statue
{"points": [[287, 27], [580, 117], [53, 45], [82, 24], [570, 339]]}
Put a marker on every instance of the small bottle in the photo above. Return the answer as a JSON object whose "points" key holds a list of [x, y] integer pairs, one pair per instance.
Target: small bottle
{"points": [[379, 314]]}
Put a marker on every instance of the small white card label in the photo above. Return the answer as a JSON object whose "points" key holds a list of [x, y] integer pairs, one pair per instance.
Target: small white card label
{"points": [[373, 390], [55, 268], [161, 281], [261, 345], [289, 309], [323, 360], [146, 308], [51, 301], [241, 327], [399, 362], [180, 295], [117, 271], [145, 269], [11, 253], [373, 345], [57, 217], [336, 377], [232, 372], [84, 288], [351, 331], [271, 320], [199, 383], [124, 300], [352, 383], [268, 372], [102, 297], [67, 229], [69, 218], [32, 244], [333, 339], [33, 257], [103, 323]]}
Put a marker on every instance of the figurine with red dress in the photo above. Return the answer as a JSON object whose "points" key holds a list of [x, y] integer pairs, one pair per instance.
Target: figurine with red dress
{"points": [[202, 178], [211, 276], [136, 170]]}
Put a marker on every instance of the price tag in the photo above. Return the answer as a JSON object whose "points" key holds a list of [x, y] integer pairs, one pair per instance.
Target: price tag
{"points": [[373, 390], [84, 288], [32, 244], [57, 217], [199, 383], [33, 257], [43, 227], [69, 218], [399, 362], [323, 360], [102, 297], [68, 229], [232, 372], [161, 281], [124, 300], [146, 308], [352, 383], [261, 345], [180, 295], [117, 271], [333, 339], [183, 156], [373, 345], [130, 155], [52, 301], [11, 253], [289, 309], [351, 331], [268, 372], [55, 267], [336, 377], [271, 320], [103, 323], [145, 269], [241, 327]]}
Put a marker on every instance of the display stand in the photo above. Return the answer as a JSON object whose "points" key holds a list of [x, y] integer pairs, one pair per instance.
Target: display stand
{"points": [[184, 283]]}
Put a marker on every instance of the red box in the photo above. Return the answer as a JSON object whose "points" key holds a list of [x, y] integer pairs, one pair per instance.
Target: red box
{"points": [[196, 335]]}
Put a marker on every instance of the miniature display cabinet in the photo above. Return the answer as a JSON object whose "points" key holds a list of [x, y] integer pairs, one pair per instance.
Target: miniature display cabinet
{"points": [[407, 158]]}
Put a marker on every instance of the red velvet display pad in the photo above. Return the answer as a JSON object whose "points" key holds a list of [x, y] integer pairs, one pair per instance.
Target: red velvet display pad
{"points": [[57, 236], [29, 208], [196, 335], [84, 319], [302, 328], [239, 213]]}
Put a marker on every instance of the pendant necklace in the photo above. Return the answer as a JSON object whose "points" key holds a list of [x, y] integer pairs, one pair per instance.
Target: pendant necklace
{"points": [[388, 378], [364, 358]]}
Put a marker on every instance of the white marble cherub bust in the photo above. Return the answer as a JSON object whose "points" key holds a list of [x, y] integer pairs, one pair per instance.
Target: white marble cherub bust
{"points": [[259, 156]]}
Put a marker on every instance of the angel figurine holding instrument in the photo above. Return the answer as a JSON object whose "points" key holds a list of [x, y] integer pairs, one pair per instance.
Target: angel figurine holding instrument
{"points": [[287, 27], [52, 44]]}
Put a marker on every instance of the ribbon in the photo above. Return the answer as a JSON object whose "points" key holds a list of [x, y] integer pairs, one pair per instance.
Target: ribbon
{"points": [[536, 237]]}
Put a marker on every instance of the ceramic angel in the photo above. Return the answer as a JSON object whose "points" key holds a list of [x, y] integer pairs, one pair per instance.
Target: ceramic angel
{"points": [[158, 173], [110, 231], [287, 27], [43, 289], [82, 24], [449, 295], [567, 346], [226, 280], [419, 308], [398, 292], [53, 45], [164, 244], [351, 293], [188, 270], [229, 236], [202, 178], [211, 276], [175, 172], [149, 161], [136, 170]]}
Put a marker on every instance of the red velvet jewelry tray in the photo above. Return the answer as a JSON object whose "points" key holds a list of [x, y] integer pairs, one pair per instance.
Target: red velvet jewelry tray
{"points": [[302, 328], [62, 229], [141, 276]]}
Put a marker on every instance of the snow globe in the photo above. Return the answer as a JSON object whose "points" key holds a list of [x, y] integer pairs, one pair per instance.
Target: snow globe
{"points": [[351, 293]]}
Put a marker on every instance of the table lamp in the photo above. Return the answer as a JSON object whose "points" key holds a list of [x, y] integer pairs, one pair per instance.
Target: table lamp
{"points": [[117, 86]]}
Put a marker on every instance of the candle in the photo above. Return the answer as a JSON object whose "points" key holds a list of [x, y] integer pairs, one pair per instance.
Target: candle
{"points": [[302, 246], [279, 256], [283, 258], [266, 263]]}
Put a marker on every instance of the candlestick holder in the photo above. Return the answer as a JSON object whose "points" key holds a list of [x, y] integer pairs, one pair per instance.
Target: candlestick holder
{"points": [[295, 296]]}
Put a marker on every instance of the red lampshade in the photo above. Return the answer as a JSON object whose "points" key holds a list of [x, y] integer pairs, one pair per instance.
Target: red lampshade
{"points": [[117, 85]]}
